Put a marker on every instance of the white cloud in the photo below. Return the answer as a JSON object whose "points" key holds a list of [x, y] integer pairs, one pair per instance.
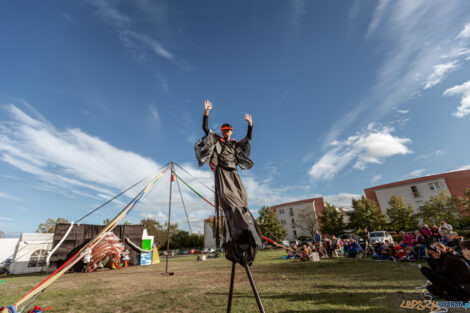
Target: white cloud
{"points": [[72, 162], [414, 44], [417, 173], [465, 33], [463, 167], [370, 146], [342, 199], [464, 90], [376, 178], [439, 73], [403, 111], [69, 158]]}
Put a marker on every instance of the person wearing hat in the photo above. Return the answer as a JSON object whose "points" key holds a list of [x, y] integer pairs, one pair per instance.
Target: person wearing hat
{"points": [[223, 154]]}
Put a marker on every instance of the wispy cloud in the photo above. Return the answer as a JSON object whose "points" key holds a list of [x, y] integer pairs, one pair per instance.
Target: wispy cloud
{"points": [[66, 16], [403, 111], [370, 146], [142, 46], [430, 154], [298, 11], [6, 196], [464, 90], [72, 162], [417, 173], [463, 167], [376, 178], [439, 73], [419, 52], [69, 159], [465, 33]]}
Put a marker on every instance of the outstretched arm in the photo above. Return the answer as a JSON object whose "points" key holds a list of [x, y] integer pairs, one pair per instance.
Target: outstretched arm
{"points": [[249, 119], [205, 122]]}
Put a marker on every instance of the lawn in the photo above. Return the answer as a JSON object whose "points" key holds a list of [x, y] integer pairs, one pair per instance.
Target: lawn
{"points": [[340, 285]]}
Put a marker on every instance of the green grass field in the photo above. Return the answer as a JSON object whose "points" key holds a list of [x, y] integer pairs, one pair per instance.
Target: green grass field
{"points": [[340, 285]]}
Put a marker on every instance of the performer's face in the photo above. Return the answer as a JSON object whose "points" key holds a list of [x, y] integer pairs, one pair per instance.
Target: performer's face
{"points": [[227, 133]]}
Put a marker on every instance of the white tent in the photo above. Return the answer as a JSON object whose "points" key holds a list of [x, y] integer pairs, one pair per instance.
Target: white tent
{"points": [[7, 248], [31, 252]]}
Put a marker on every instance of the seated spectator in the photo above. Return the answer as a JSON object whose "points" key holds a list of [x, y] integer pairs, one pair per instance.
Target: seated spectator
{"points": [[448, 273], [452, 243], [399, 252], [337, 245], [427, 233], [435, 233], [305, 253], [407, 239], [329, 248], [387, 253], [410, 255], [320, 249], [353, 249], [419, 244], [444, 230]]}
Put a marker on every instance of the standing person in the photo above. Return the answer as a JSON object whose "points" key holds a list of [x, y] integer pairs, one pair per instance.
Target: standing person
{"points": [[317, 238], [242, 233], [366, 236]]}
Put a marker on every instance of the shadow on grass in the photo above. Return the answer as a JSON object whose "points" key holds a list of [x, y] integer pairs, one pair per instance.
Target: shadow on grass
{"points": [[370, 310]]}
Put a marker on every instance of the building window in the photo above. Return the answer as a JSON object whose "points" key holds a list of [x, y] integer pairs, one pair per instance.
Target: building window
{"points": [[434, 186], [281, 211], [420, 204], [292, 222], [295, 234], [38, 258], [291, 212], [415, 191], [283, 222]]}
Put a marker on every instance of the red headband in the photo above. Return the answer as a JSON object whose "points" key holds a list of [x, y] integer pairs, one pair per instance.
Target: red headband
{"points": [[226, 127]]}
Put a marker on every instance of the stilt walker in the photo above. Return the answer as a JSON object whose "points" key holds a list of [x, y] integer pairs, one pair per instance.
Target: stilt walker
{"points": [[241, 231]]}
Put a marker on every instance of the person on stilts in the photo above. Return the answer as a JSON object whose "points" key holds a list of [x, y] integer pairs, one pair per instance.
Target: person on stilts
{"points": [[223, 154]]}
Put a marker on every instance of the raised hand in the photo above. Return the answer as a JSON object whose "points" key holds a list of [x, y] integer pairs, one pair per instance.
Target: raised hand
{"points": [[207, 107], [249, 119]]}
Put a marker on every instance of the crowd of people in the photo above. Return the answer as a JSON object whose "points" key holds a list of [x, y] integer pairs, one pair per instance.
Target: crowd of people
{"points": [[447, 257]]}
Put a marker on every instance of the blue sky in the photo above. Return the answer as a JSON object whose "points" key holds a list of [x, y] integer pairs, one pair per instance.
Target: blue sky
{"points": [[95, 95]]}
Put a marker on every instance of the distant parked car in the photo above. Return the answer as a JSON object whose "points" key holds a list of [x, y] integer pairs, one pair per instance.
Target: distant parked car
{"points": [[294, 242], [194, 251], [380, 236]]}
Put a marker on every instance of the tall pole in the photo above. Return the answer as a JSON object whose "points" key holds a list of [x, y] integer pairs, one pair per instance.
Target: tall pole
{"points": [[172, 177]]}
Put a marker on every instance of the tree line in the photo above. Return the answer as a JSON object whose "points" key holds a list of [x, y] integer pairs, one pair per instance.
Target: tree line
{"points": [[178, 238], [366, 214]]}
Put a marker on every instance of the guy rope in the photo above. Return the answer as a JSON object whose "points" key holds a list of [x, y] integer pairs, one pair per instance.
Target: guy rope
{"points": [[81, 253]]}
